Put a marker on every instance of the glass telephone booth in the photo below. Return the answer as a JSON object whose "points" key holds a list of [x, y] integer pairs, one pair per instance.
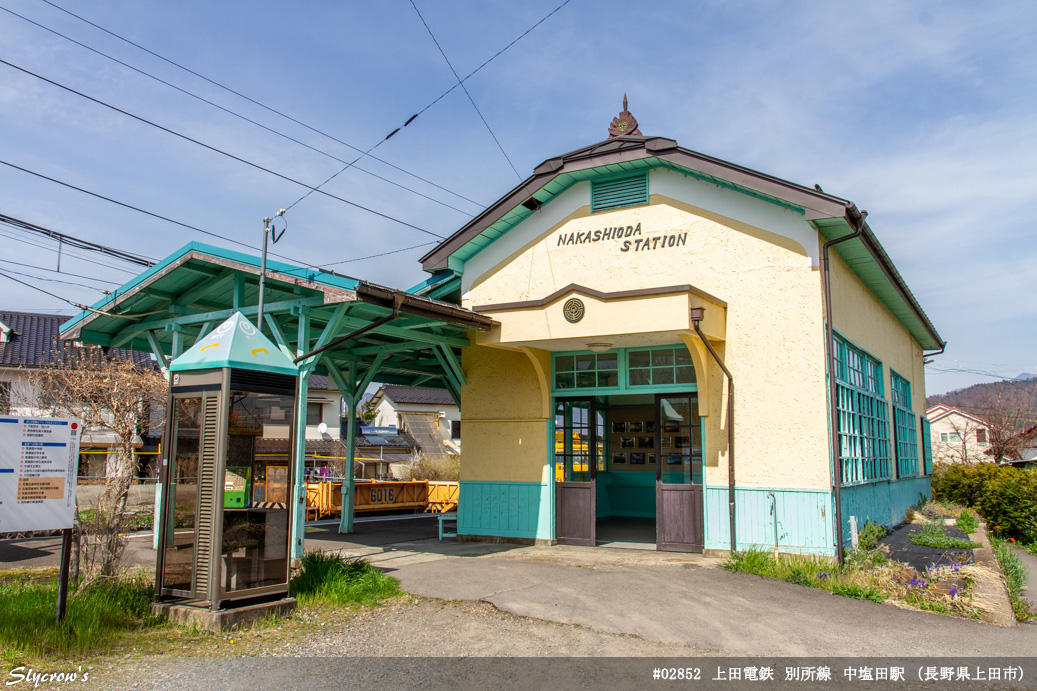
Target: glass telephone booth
{"points": [[221, 542]]}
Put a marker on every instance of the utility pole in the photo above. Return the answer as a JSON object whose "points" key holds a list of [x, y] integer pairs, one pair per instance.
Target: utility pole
{"points": [[267, 230]]}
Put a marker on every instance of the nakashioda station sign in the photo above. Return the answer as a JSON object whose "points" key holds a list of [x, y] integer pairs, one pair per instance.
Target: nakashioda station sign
{"points": [[38, 461]]}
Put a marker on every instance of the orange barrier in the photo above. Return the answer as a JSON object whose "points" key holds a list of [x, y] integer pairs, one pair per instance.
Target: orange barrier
{"points": [[379, 495], [442, 496]]}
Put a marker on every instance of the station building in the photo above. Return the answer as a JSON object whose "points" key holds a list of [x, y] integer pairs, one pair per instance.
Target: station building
{"points": [[648, 345], [624, 279]]}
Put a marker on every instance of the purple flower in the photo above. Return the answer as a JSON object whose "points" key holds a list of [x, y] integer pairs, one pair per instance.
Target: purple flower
{"points": [[823, 575], [954, 591]]}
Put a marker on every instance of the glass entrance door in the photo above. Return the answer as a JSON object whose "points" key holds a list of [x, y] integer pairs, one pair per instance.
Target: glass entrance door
{"points": [[579, 433], [678, 474]]}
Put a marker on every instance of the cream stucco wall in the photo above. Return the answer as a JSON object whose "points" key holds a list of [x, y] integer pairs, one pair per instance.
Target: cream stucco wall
{"points": [[861, 318], [773, 341], [505, 416]]}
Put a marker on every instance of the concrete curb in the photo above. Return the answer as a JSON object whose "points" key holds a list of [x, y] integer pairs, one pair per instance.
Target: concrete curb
{"points": [[1001, 614]]}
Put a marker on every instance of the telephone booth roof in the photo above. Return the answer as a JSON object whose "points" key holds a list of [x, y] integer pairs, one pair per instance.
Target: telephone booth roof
{"points": [[235, 343]]}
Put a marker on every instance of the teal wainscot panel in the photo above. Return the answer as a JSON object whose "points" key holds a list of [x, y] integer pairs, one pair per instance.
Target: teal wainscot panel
{"points": [[505, 509], [802, 517], [883, 502]]}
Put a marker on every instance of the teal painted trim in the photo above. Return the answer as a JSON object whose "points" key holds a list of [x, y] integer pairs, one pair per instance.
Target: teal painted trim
{"points": [[626, 494], [235, 343], [558, 185], [307, 274], [551, 475], [619, 192], [623, 374], [804, 519], [505, 509], [883, 502]]}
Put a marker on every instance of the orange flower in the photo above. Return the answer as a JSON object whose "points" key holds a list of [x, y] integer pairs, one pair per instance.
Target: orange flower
{"points": [[997, 527], [1011, 539]]}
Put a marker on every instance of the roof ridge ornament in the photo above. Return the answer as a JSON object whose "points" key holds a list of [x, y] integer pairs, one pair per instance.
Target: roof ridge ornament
{"points": [[624, 124]]}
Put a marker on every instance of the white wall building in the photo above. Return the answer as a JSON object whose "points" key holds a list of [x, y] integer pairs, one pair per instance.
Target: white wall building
{"points": [[958, 436]]}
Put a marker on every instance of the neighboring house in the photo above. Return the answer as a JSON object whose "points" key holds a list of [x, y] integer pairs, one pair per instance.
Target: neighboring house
{"points": [[30, 341], [377, 449], [958, 436], [428, 415]]}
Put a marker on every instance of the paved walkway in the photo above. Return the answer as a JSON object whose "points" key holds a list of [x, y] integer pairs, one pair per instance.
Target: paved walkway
{"points": [[1030, 562]]}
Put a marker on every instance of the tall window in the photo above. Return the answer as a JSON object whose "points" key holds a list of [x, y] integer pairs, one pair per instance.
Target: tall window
{"points": [[904, 427], [863, 415], [314, 413], [5, 397]]}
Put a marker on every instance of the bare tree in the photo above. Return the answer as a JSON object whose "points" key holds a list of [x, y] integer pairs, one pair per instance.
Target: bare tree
{"points": [[113, 395], [1012, 425]]}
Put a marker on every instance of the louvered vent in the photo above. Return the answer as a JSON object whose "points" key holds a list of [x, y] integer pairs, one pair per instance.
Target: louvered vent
{"points": [[618, 193], [206, 495]]}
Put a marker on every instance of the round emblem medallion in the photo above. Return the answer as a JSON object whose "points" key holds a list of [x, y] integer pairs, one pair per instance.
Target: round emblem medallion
{"points": [[573, 310]]}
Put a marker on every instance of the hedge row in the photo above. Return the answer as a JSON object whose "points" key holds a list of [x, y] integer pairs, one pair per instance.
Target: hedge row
{"points": [[1005, 496]]}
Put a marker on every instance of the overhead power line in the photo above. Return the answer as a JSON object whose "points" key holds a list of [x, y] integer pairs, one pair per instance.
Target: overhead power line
{"points": [[465, 89], [92, 260], [58, 280], [63, 273], [46, 292], [289, 117], [412, 118], [230, 112], [214, 149], [76, 242]]}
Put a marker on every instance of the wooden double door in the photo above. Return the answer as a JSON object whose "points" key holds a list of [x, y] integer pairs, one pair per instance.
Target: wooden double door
{"points": [[579, 456]]}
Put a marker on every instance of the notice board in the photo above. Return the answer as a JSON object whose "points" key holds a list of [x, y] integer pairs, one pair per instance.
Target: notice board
{"points": [[38, 462]]}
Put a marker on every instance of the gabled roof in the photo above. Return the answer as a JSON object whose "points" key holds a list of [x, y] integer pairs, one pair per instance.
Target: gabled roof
{"points": [[833, 217], [34, 340], [416, 394], [942, 410]]}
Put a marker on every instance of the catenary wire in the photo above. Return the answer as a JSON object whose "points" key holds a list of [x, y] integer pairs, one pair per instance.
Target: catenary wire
{"points": [[288, 117], [381, 254], [91, 260], [465, 89], [214, 149], [231, 112], [460, 82], [71, 241], [149, 213], [55, 271], [58, 280]]}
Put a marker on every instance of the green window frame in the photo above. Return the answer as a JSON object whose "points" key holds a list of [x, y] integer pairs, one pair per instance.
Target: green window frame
{"points": [[652, 369], [659, 366], [927, 444], [905, 433], [864, 446]]}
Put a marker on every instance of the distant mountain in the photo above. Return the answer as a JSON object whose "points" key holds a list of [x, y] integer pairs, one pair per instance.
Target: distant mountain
{"points": [[1025, 376], [975, 398]]}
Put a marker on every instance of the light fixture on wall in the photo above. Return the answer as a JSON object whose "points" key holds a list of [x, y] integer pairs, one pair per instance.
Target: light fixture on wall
{"points": [[599, 347]]}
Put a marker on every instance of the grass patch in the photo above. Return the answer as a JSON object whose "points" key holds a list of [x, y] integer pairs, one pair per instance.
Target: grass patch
{"points": [[329, 577], [95, 617], [934, 534], [870, 575], [1015, 579], [967, 522]]}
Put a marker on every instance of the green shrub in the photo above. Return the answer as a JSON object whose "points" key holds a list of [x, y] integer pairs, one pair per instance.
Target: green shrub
{"points": [[332, 578], [967, 522], [1005, 496], [94, 618], [858, 592], [868, 539]]}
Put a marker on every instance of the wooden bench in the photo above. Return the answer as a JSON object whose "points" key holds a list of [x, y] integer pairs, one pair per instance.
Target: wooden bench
{"points": [[449, 517]]}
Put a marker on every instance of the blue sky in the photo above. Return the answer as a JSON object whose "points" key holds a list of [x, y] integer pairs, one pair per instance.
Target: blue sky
{"points": [[921, 113]]}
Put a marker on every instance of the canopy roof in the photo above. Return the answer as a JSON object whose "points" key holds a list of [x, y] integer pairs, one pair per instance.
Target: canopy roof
{"points": [[175, 303]]}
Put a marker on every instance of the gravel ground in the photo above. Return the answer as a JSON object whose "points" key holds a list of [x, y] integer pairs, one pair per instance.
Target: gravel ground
{"points": [[411, 628]]}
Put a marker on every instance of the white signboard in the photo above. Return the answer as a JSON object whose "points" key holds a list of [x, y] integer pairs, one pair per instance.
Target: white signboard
{"points": [[38, 462]]}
